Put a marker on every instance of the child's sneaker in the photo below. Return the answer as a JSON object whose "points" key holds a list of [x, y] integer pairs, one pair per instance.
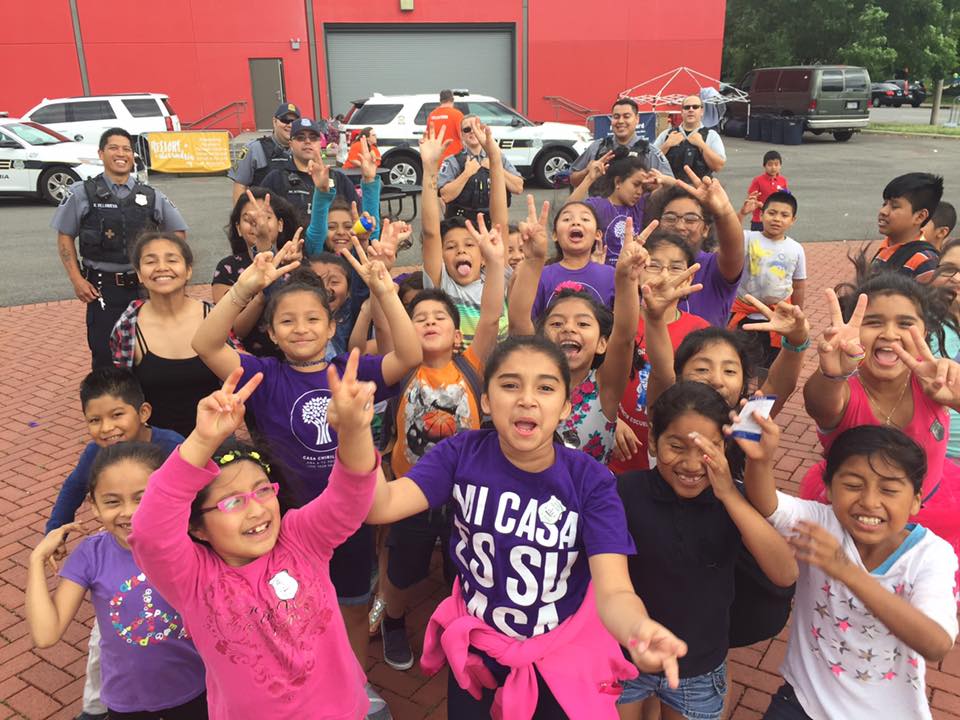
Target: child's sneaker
{"points": [[396, 647], [378, 706]]}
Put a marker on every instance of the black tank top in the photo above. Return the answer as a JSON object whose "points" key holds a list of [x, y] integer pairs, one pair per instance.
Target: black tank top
{"points": [[173, 387]]}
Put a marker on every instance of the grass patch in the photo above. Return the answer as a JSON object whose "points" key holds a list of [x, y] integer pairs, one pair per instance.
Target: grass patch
{"points": [[909, 129]]}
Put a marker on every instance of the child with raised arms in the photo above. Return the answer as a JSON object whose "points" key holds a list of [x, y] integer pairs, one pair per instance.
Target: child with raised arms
{"points": [[255, 588], [876, 596], [292, 409], [539, 546], [149, 667], [598, 344], [690, 523]]}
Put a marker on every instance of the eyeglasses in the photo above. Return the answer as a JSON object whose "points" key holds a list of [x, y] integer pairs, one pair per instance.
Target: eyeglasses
{"points": [[306, 139], [286, 120], [672, 268], [238, 502], [669, 218], [466, 130], [692, 107]]}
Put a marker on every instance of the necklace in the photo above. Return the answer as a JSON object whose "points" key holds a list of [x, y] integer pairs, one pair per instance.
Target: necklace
{"points": [[305, 363], [873, 400]]}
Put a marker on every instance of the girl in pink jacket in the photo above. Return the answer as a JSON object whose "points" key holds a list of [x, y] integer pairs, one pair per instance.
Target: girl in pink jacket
{"points": [[253, 589]]}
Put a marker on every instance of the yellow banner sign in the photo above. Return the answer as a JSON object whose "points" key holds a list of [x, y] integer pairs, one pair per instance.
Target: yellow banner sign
{"points": [[189, 152]]}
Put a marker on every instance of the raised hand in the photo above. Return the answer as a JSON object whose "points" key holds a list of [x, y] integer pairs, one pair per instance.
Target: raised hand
{"points": [[351, 400], [431, 149], [490, 241], [368, 165], [708, 191], [816, 546], [373, 272], [652, 180], [220, 414], [784, 319], [487, 141], [718, 469], [53, 546], [750, 204], [939, 377], [760, 451], [267, 266], [533, 230], [839, 348], [626, 444], [653, 648], [257, 215], [385, 249], [633, 255], [598, 168], [320, 173], [659, 293]]}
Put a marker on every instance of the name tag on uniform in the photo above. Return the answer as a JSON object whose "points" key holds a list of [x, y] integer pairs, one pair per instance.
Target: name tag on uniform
{"points": [[140, 199]]}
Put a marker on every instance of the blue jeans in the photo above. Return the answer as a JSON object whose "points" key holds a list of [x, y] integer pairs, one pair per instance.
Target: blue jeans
{"points": [[785, 706], [698, 698]]}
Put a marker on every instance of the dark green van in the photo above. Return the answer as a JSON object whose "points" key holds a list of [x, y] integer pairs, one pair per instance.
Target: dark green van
{"points": [[830, 98]]}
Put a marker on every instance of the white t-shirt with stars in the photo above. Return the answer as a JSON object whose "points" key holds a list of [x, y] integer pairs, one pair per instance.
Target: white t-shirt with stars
{"points": [[841, 660]]}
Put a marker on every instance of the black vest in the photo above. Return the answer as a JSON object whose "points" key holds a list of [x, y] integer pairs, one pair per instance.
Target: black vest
{"points": [[475, 196], [296, 188], [111, 225], [686, 153], [276, 158]]}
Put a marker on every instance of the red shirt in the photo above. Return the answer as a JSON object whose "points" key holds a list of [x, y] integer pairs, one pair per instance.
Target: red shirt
{"points": [[450, 118], [766, 186], [633, 405]]}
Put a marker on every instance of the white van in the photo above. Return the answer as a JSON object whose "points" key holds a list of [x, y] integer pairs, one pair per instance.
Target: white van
{"points": [[84, 119]]}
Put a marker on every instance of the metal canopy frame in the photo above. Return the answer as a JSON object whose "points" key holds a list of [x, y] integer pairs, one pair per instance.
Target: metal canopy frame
{"points": [[662, 99]]}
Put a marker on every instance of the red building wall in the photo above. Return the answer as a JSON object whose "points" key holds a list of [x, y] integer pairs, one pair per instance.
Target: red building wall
{"points": [[197, 51]]}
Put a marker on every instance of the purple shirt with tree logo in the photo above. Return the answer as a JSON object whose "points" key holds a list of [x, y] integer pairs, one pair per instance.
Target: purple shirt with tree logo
{"points": [[613, 220], [290, 411], [521, 540]]}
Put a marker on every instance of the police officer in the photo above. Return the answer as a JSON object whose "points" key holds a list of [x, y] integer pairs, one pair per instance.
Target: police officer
{"points": [[692, 144], [107, 213], [624, 118], [265, 153], [464, 178], [292, 180]]}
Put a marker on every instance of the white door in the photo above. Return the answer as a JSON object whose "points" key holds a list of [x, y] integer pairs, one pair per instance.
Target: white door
{"points": [[14, 173]]}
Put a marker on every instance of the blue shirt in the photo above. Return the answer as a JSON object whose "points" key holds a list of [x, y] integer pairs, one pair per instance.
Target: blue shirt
{"points": [[77, 484]]}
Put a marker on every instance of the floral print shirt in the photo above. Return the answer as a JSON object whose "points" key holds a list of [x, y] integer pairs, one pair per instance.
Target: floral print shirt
{"points": [[586, 427]]}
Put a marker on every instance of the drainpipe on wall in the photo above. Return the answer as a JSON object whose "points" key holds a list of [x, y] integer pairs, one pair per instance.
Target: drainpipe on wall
{"points": [[78, 42], [524, 39], [312, 52]]}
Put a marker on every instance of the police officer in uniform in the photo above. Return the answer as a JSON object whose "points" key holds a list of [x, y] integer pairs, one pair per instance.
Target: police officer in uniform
{"points": [[107, 213], [464, 178], [691, 144], [624, 118], [266, 153], [292, 180]]}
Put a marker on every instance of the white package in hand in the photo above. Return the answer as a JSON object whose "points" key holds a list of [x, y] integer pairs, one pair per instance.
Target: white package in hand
{"points": [[747, 427]]}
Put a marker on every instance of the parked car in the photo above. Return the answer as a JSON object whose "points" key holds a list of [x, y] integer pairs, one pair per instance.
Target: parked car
{"points": [[886, 93], [540, 150], [829, 98], [914, 91], [36, 160], [85, 118]]}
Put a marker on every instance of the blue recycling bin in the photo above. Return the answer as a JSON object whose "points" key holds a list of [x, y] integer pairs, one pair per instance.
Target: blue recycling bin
{"points": [[776, 132], [792, 131], [766, 129]]}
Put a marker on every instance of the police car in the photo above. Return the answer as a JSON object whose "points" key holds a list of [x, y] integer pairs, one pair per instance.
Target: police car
{"points": [[539, 150], [35, 160]]}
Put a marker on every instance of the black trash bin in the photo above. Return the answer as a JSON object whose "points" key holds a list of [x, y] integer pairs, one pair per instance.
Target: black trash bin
{"points": [[792, 131], [776, 131], [753, 132], [766, 129]]}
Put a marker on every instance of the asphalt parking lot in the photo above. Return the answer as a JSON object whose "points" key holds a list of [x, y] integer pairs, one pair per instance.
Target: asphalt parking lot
{"points": [[838, 186]]}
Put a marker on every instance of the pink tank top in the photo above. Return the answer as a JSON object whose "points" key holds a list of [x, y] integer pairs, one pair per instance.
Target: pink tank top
{"points": [[928, 427]]}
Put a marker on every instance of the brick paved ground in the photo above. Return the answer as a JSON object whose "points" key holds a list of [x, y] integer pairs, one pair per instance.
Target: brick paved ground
{"points": [[41, 434]]}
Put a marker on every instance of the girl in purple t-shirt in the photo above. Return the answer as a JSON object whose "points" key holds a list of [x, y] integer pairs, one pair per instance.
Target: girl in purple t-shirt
{"points": [[148, 663], [534, 524]]}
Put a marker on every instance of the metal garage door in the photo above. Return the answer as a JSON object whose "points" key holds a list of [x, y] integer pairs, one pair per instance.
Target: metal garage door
{"points": [[401, 60]]}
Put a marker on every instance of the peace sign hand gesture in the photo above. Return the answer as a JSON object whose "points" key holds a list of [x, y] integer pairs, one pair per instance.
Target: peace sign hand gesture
{"points": [[708, 191], [368, 166], [533, 230], [320, 173], [839, 348], [598, 168], [490, 241], [373, 272], [267, 266], [939, 377], [257, 215], [351, 400], [220, 414], [633, 255], [784, 319], [662, 291]]}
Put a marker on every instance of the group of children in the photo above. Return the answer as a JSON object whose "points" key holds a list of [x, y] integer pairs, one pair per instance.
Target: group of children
{"points": [[569, 422]]}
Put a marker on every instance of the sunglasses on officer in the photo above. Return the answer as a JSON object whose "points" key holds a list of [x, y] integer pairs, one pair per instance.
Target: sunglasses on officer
{"points": [[692, 107], [286, 120]]}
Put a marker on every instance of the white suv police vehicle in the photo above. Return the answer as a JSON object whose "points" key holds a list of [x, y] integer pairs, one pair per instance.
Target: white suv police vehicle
{"points": [[539, 150]]}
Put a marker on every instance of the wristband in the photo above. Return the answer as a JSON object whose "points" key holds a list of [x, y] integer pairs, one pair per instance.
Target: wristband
{"points": [[236, 299], [838, 378], [787, 345]]}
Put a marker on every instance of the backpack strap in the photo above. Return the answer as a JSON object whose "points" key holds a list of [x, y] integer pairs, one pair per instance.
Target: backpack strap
{"points": [[907, 251], [474, 382], [388, 432]]}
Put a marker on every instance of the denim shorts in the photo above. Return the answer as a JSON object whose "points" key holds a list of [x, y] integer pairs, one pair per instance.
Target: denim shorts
{"points": [[698, 698]]}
